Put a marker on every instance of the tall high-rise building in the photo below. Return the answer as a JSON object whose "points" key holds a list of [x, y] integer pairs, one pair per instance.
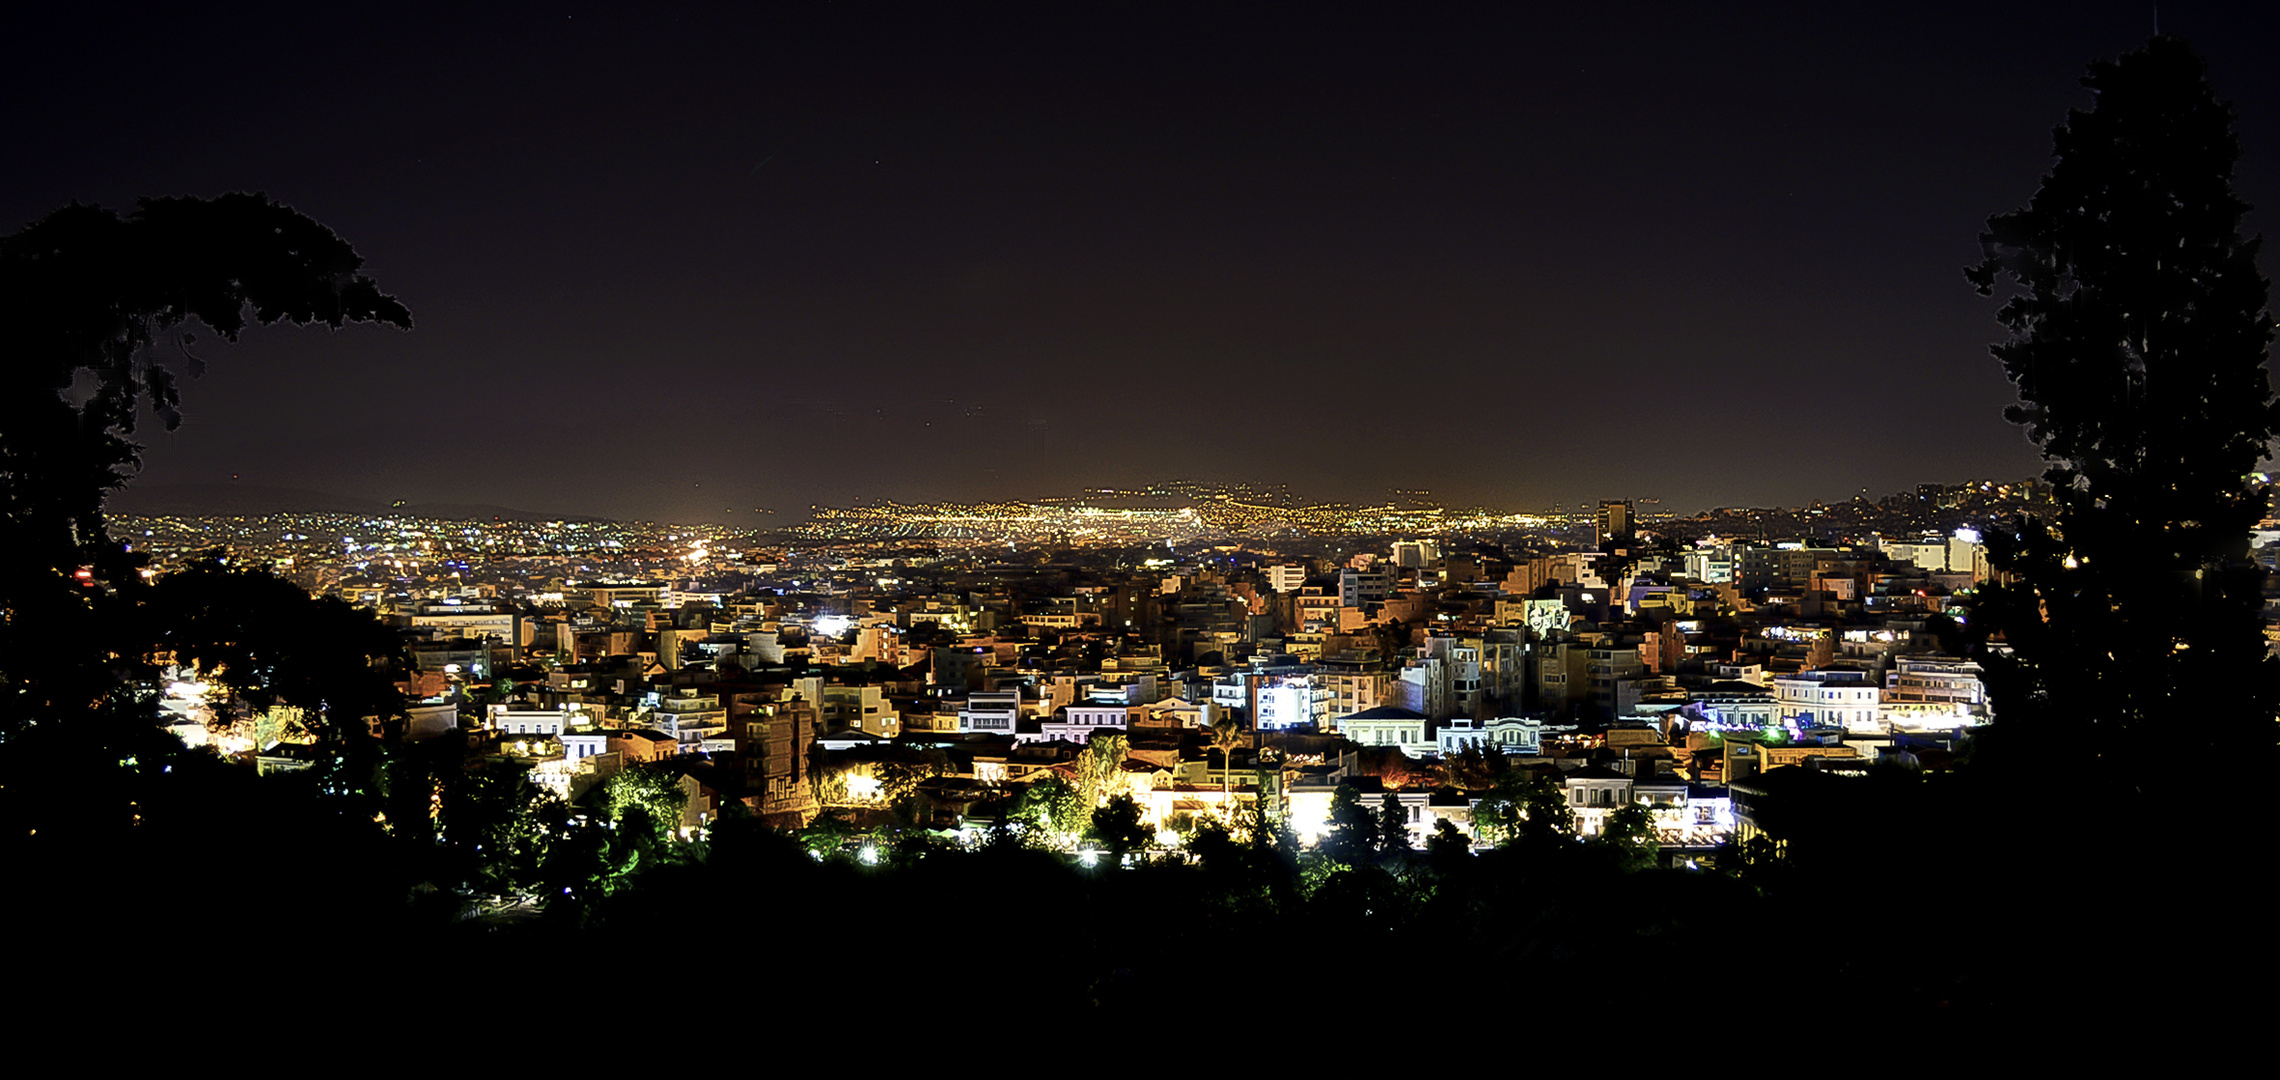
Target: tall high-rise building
{"points": [[1615, 519]]}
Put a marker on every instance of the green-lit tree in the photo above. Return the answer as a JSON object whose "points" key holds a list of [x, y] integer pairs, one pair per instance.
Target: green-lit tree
{"points": [[645, 802], [1496, 814], [1100, 768], [1524, 810], [1629, 837], [2130, 616], [1051, 805], [827, 836], [498, 824]]}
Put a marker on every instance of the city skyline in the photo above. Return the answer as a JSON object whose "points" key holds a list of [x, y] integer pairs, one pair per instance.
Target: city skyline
{"points": [[1472, 488], [686, 266], [1395, 511]]}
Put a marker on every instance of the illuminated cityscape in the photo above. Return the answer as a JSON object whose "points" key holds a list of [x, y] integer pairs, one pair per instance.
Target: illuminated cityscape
{"points": [[1718, 519], [1156, 623]]}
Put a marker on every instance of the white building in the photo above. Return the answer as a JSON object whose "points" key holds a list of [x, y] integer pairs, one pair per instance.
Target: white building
{"points": [[1505, 735], [1285, 579], [1276, 695], [1712, 565], [577, 746], [510, 720], [1387, 726], [1933, 693], [1594, 792], [1078, 723], [1828, 698], [1733, 710], [993, 712], [1293, 701]]}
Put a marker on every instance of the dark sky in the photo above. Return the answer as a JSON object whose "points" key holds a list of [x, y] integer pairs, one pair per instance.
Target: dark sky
{"points": [[669, 262]]}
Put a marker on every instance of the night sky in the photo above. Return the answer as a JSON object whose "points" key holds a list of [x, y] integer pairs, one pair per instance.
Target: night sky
{"points": [[670, 265]]}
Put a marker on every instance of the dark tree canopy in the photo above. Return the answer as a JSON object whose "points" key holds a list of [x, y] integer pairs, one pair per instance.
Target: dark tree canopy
{"points": [[1117, 825], [89, 298], [85, 290], [272, 643], [1392, 825], [2138, 338], [1352, 835]]}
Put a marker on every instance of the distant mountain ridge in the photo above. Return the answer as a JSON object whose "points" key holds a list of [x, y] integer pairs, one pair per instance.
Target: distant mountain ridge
{"points": [[253, 500]]}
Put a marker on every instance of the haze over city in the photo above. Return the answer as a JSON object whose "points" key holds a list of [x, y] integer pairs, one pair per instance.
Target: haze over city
{"points": [[695, 264]]}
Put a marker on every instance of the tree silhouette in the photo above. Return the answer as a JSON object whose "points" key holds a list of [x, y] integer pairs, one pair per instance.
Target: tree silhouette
{"points": [[91, 790], [1475, 766], [1524, 809], [1547, 819], [1392, 825], [89, 297], [1629, 837], [1448, 845], [269, 642], [1353, 833], [1117, 825], [2138, 337]]}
